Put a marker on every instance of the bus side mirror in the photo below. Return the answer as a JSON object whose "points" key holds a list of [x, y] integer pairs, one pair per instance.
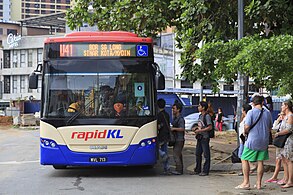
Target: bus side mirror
{"points": [[33, 78], [160, 81], [33, 81]]}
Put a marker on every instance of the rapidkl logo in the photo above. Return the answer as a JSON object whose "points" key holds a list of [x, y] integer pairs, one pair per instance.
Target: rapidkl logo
{"points": [[106, 134]]}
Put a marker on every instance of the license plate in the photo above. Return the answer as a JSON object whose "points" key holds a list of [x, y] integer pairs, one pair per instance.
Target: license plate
{"points": [[98, 159]]}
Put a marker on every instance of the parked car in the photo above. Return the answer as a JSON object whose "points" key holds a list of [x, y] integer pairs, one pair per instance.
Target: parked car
{"points": [[191, 121]]}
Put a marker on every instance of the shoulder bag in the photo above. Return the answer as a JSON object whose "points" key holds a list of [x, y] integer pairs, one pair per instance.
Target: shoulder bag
{"points": [[281, 140]]}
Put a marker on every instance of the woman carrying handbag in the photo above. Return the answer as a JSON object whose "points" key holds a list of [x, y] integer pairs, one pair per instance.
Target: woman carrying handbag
{"points": [[287, 152]]}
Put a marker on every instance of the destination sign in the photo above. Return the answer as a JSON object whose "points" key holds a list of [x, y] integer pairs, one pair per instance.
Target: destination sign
{"points": [[97, 50]]}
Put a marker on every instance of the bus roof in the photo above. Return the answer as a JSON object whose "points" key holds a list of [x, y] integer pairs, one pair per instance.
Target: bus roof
{"points": [[100, 36]]}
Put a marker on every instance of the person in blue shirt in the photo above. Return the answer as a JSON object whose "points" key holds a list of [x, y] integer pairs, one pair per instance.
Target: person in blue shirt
{"points": [[256, 145]]}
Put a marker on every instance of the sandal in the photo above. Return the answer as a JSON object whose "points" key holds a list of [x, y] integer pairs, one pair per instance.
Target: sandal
{"points": [[281, 182], [272, 181], [287, 186], [239, 187], [261, 188]]}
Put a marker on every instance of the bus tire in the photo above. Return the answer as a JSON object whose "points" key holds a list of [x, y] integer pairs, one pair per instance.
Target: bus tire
{"points": [[59, 166]]}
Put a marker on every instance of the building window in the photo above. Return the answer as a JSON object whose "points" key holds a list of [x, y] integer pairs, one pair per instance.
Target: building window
{"points": [[228, 87], [13, 31], [6, 84], [14, 84], [6, 59], [30, 58], [58, 6], [39, 84], [22, 84], [43, 6], [40, 56], [28, 89], [52, 6], [14, 59], [207, 86], [1, 31], [253, 88], [22, 58], [186, 84]]}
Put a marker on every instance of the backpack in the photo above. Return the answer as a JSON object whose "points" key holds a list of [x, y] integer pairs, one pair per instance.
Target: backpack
{"points": [[212, 131]]}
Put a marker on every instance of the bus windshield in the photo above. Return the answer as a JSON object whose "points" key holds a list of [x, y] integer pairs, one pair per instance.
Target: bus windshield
{"points": [[94, 89]]}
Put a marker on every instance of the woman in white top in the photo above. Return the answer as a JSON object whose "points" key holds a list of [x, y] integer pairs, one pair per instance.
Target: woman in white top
{"points": [[245, 109]]}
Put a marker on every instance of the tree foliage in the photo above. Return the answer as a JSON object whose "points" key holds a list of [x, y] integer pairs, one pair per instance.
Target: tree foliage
{"points": [[214, 23], [268, 61]]}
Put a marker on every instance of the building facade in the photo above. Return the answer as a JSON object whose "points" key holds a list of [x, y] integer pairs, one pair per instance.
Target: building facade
{"points": [[19, 61], [15, 10]]}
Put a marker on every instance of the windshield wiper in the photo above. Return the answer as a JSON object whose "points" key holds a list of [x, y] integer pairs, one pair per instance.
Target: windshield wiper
{"points": [[77, 113]]}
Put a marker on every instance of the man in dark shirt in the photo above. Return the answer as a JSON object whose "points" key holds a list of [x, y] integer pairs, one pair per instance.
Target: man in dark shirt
{"points": [[178, 126], [163, 134]]}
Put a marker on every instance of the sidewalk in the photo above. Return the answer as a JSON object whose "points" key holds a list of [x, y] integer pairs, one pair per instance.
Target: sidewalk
{"points": [[224, 143]]}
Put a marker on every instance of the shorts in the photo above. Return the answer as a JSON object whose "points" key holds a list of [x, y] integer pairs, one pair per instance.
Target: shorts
{"points": [[254, 155]]}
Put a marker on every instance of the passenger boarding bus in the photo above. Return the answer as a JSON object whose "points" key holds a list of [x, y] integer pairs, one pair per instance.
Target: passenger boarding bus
{"points": [[98, 105]]}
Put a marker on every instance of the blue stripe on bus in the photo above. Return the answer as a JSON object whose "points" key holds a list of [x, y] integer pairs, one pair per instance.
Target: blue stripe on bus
{"points": [[133, 155]]}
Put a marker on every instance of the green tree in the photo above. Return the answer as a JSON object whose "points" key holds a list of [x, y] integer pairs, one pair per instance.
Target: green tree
{"points": [[195, 21]]}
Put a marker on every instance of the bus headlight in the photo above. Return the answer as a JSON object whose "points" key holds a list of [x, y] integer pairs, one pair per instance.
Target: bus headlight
{"points": [[142, 144], [52, 144], [48, 143]]}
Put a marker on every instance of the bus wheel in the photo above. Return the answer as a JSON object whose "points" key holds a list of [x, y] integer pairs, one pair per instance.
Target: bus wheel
{"points": [[59, 166]]}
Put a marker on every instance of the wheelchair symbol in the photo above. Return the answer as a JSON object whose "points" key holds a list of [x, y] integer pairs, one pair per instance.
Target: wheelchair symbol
{"points": [[142, 50]]}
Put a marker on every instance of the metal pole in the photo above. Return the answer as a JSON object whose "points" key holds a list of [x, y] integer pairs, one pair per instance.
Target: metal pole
{"points": [[174, 60], [240, 95]]}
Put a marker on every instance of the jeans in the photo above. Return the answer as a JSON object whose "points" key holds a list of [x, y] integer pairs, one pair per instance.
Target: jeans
{"points": [[240, 151], [177, 153], [163, 150], [203, 146]]}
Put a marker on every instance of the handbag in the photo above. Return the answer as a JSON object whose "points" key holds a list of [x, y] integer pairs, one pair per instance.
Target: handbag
{"points": [[280, 140], [234, 157]]}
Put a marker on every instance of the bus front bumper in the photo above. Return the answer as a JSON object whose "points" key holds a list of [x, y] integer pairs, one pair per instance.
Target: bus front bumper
{"points": [[53, 154]]}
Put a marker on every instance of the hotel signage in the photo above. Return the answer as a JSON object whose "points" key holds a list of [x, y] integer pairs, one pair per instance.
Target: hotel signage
{"points": [[13, 40]]}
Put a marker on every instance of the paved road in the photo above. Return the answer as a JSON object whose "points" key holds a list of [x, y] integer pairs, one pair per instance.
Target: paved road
{"points": [[20, 173]]}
